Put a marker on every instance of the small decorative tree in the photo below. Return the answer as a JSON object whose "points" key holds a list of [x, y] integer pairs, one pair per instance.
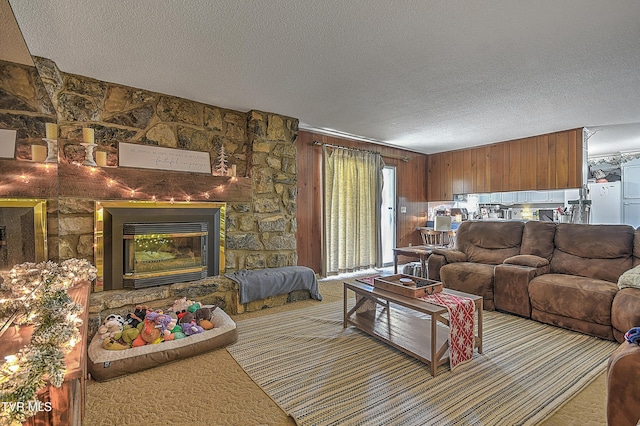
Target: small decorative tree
{"points": [[221, 168]]}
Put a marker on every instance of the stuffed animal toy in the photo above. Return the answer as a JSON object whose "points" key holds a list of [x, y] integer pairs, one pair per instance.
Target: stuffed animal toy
{"points": [[181, 307], [203, 318], [168, 333], [194, 307], [160, 319], [191, 328], [150, 333], [137, 316], [128, 334], [112, 325], [112, 344], [187, 318], [138, 341]]}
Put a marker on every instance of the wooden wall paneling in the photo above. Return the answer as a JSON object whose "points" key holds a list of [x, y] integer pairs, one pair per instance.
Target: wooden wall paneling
{"points": [[434, 178], [497, 168], [483, 172], [309, 199], [457, 172], [469, 170], [543, 180], [515, 154], [575, 158], [551, 171], [562, 160], [447, 183], [412, 194], [528, 166]]}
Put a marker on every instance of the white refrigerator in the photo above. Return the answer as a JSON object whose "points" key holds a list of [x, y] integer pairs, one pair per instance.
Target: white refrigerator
{"points": [[606, 203]]}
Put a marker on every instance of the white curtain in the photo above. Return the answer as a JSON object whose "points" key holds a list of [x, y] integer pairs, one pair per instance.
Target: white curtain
{"points": [[352, 200]]}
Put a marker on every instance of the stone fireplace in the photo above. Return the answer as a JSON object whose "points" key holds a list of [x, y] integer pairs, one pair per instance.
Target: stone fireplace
{"points": [[141, 245], [260, 203]]}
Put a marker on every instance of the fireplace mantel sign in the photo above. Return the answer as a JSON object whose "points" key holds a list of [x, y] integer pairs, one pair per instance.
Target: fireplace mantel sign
{"points": [[155, 157]]}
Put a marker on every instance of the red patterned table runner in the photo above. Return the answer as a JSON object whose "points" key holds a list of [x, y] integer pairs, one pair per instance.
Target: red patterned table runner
{"points": [[461, 325]]}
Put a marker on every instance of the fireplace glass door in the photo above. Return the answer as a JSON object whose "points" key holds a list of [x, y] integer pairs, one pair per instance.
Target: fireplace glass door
{"points": [[160, 253]]}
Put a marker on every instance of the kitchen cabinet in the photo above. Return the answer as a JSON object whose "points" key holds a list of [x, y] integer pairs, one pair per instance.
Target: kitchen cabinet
{"points": [[631, 213], [631, 180], [539, 196], [523, 197], [556, 196], [509, 197], [484, 198]]}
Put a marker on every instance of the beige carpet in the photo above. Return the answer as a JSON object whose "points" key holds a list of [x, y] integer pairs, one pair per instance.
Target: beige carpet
{"points": [[212, 389], [323, 374]]}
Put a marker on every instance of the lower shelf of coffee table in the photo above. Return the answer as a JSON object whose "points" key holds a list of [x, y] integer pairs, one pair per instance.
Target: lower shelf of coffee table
{"points": [[402, 330]]}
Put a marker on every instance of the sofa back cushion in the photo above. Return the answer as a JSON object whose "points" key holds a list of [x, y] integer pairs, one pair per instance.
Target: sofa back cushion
{"points": [[596, 251], [537, 239], [489, 242]]}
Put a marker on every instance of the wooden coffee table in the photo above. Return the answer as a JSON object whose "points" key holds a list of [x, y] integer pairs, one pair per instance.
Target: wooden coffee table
{"points": [[426, 339]]}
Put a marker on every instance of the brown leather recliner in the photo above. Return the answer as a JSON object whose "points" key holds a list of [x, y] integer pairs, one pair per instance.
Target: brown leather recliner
{"points": [[623, 384], [480, 246]]}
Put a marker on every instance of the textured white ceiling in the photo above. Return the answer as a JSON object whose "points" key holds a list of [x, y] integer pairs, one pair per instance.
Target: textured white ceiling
{"points": [[428, 75]]}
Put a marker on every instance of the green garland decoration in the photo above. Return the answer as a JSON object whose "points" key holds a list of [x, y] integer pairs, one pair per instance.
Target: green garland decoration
{"points": [[37, 294]]}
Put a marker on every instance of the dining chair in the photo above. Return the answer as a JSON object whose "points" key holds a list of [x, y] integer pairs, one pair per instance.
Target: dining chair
{"points": [[442, 225]]}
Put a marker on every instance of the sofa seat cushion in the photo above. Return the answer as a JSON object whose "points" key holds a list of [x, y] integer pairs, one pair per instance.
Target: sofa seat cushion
{"points": [[585, 299], [473, 278], [624, 312], [527, 260]]}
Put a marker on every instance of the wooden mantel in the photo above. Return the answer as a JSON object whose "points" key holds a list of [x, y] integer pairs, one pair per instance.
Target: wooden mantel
{"points": [[108, 183], [39, 180]]}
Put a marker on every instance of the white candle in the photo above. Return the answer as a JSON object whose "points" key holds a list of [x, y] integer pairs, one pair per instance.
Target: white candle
{"points": [[88, 135], [51, 130], [38, 153], [101, 158], [233, 170]]}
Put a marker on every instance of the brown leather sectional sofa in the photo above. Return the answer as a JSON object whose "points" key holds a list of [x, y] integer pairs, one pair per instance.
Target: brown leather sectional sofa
{"points": [[560, 274]]}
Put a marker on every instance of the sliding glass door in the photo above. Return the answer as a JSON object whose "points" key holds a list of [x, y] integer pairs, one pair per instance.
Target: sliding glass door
{"points": [[388, 215]]}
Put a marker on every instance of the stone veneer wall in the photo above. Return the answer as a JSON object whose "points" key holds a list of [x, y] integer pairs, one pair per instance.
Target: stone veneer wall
{"points": [[260, 231]]}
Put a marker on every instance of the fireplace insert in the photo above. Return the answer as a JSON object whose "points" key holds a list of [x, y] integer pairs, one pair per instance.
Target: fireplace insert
{"points": [[161, 253], [144, 245]]}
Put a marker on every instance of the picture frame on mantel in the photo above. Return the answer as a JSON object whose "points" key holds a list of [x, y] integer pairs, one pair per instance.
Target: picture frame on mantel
{"points": [[159, 158], [8, 143]]}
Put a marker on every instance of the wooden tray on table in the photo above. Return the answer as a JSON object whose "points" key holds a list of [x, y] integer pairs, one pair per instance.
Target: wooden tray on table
{"points": [[418, 287]]}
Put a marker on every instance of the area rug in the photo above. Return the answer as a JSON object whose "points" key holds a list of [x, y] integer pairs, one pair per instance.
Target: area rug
{"points": [[322, 374]]}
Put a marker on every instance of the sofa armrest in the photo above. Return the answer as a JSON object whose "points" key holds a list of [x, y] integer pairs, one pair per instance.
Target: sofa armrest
{"points": [[623, 375], [529, 260], [511, 286], [451, 255], [441, 257]]}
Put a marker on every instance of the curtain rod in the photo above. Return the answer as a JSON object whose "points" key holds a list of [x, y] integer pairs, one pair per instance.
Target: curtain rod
{"points": [[395, 157]]}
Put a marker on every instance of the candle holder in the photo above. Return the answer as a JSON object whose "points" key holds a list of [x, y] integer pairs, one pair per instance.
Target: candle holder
{"points": [[52, 150], [88, 155]]}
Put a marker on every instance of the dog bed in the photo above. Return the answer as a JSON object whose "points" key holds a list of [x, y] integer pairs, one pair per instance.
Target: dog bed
{"points": [[106, 364]]}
